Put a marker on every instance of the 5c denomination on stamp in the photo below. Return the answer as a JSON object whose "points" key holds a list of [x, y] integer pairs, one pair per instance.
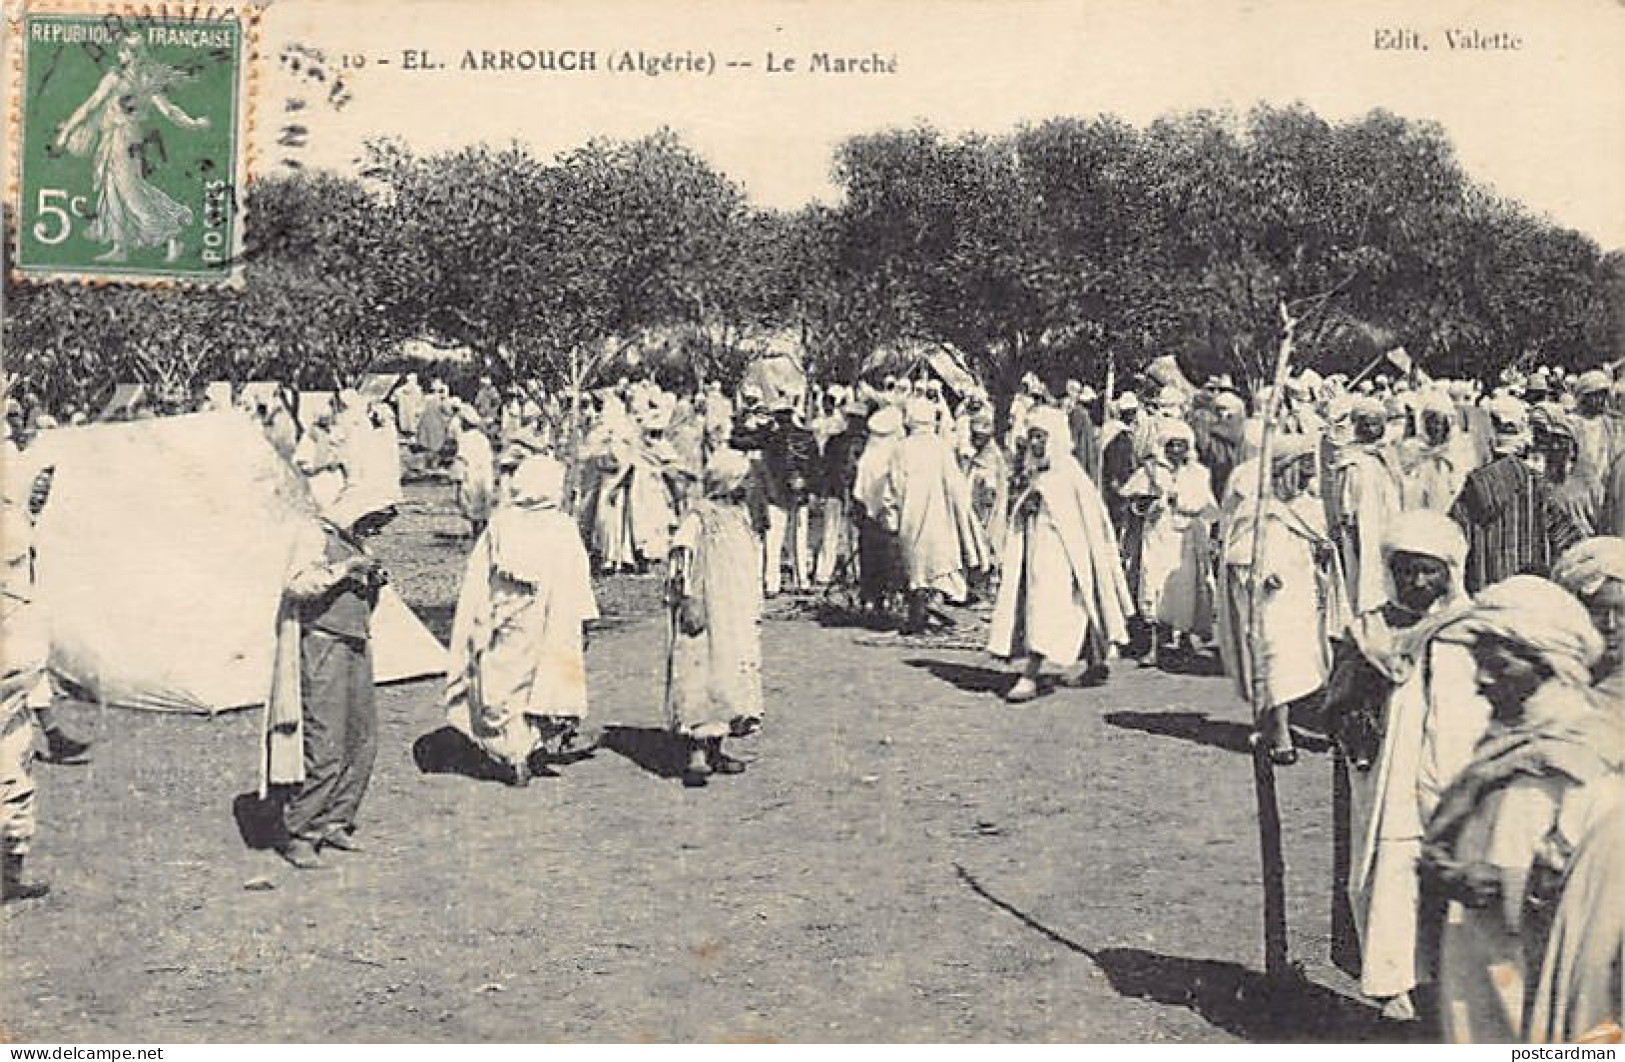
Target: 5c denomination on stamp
{"points": [[130, 141]]}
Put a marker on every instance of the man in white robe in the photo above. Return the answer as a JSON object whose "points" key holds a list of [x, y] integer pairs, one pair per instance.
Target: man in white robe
{"points": [[1176, 494], [1433, 472], [1061, 584], [1600, 431], [473, 469], [408, 405], [937, 528], [631, 512], [714, 603], [1361, 497], [1549, 762], [1297, 586], [988, 469], [517, 676], [1427, 718], [875, 510], [25, 647]]}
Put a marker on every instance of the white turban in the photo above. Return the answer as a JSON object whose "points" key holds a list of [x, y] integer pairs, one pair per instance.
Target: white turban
{"points": [[1428, 533], [1173, 429], [725, 471], [1435, 400], [1052, 422], [1541, 617], [538, 482], [1586, 566], [1287, 447]]}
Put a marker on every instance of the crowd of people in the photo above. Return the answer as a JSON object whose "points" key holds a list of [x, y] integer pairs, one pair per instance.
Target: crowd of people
{"points": [[1433, 571]]}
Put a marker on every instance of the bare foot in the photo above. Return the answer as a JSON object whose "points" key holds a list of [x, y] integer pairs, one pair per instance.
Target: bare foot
{"points": [[117, 254], [172, 250]]}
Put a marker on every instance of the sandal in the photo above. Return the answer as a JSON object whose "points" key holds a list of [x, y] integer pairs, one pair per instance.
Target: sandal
{"points": [[1023, 691]]}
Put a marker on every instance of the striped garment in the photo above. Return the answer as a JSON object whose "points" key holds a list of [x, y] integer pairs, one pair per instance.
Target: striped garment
{"points": [[1511, 527]]}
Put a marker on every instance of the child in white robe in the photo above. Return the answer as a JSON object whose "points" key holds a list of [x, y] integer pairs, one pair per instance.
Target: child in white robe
{"points": [[714, 595]]}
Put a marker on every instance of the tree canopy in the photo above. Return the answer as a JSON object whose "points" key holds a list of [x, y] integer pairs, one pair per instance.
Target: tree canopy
{"points": [[1044, 249]]}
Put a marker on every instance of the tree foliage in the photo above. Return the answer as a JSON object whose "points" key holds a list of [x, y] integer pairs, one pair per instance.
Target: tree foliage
{"points": [[1045, 249]]}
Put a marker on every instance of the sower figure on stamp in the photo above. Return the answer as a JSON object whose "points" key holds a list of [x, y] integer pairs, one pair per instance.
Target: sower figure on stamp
{"points": [[321, 720], [131, 212]]}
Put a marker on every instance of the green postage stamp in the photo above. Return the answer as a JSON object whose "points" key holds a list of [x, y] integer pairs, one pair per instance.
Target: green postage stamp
{"points": [[130, 139]]}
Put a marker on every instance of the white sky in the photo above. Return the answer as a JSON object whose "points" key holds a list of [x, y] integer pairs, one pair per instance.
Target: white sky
{"points": [[1545, 124]]}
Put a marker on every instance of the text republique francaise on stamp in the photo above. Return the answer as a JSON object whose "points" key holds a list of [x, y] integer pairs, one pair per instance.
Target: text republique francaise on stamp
{"points": [[130, 142]]}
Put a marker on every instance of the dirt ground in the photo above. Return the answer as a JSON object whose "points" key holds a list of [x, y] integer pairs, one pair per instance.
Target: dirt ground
{"points": [[906, 859]]}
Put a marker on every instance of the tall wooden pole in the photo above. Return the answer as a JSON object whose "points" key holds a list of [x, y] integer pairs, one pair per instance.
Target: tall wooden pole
{"points": [[1105, 414], [1273, 863]]}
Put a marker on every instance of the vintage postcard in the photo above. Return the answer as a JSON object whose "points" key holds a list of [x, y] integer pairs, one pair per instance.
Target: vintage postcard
{"points": [[974, 521]]}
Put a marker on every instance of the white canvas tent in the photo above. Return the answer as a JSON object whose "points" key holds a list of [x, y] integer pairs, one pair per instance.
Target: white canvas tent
{"points": [[378, 386], [942, 360], [126, 396], [425, 350], [162, 553], [779, 370]]}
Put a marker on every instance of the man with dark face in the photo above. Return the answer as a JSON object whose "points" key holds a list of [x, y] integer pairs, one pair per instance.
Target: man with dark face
{"points": [[836, 473], [1279, 657], [1594, 572], [1501, 833], [1572, 488], [1175, 495], [1401, 712], [788, 456]]}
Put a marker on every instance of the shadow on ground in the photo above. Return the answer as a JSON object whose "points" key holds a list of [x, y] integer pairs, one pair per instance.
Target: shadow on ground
{"points": [[1195, 727], [259, 820], [848, 615], [450, 751], [1241, 1001], [1183, 663], [655, 749], [971, 678]]}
